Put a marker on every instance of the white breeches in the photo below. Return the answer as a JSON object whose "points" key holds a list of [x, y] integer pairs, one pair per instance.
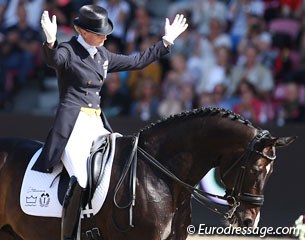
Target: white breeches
{"points": [[86, 130]]}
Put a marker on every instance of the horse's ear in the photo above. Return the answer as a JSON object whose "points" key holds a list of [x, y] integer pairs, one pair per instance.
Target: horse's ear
{"points": [[284, 141]]}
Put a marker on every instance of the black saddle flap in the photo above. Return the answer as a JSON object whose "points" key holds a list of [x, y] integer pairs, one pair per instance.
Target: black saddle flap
{"points": [[96, 162]]}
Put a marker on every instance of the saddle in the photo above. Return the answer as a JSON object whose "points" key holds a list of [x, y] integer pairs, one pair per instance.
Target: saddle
{"points": [[97, 160]]}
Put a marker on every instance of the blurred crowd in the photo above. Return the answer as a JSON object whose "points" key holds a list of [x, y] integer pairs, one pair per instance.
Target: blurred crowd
{"points": [[244, 55]]}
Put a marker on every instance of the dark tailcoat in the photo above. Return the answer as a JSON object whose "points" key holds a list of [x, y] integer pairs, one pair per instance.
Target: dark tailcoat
{"points": [[80, 78]]}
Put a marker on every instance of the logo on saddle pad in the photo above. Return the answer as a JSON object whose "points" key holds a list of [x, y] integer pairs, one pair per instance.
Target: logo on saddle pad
{"points": [[30, 201], [36, 198], [44, 200]]}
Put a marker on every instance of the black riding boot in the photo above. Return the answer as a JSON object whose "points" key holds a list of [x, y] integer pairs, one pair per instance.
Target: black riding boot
{"points": [[71, 210]]}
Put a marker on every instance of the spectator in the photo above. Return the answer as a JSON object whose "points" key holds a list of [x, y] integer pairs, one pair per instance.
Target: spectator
{"points": [[187, 97], [33, 10], [19, 49], [238, 16], [217, 37], [254, 72], [284, 64], [146, 104], [113, 102], [118, 11], [204, 11], [205, 100], [140, 30], [292, 108], [176, 76], [219, 97], [267, 54], [289, 8], [158, 10], [255, 27], [173, 104], [250, 106], [10, 15], [204, 54], [218, 73], [169, 105], [152, 71], [272, 10], [113, 46]]}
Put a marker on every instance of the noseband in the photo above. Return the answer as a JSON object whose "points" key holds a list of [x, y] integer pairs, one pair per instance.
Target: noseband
{"points": [[232, 196]]}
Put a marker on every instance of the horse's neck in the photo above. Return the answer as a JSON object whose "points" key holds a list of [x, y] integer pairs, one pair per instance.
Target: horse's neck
{"points": [[190, 151], [179, 156]]}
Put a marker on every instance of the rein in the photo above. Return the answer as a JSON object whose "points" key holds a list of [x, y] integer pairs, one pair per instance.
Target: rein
{"points": [[232, 196], [132, 165], [199, 195]]}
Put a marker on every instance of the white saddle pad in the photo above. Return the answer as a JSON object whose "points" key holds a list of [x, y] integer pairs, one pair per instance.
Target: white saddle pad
{"points": [[39, 197]]}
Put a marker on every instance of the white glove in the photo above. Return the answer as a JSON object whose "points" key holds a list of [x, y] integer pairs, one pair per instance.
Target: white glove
{"points": [[173, 31], [49, 28]]}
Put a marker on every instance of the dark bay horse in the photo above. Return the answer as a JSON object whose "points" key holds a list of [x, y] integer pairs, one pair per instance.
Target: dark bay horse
{"points": [[172, 157]]}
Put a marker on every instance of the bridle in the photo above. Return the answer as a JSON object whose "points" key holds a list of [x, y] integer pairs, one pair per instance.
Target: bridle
{"points": [[233, 196]]}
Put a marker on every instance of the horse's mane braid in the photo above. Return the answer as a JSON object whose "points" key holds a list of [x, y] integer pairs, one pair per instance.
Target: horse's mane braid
{"points": [[209, 111]]}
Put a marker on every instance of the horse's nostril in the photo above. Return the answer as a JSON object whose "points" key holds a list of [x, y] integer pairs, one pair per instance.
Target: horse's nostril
{"points": [[248, 222]]}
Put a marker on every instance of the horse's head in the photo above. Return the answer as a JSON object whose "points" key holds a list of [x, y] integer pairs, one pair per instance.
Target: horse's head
{"points": [[246, 178]]}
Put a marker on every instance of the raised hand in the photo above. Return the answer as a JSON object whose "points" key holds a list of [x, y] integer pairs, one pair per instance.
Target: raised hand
{"points": [[172, 31], [49, 28]]}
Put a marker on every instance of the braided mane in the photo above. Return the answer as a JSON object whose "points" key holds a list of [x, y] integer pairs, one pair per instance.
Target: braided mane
{"points": [[202, 112]]}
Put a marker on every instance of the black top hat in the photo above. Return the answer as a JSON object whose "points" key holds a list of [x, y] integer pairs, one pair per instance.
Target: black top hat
{"points": [[93, 18]]}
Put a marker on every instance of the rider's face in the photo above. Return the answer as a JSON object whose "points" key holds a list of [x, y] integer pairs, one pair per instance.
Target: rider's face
{"points": [[93, 39]]}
